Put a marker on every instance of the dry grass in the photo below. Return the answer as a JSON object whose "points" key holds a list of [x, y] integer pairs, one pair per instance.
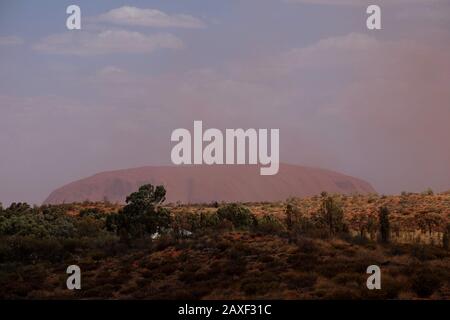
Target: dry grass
{"points": [[233, 264]]}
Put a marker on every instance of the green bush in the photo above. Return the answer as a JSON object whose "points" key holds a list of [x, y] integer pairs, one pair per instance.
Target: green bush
{"points": [[92, 213], [142, 216], [30, 249], [269, 224], [193, 222], [44, 222], [239, 215], [89, 226]]}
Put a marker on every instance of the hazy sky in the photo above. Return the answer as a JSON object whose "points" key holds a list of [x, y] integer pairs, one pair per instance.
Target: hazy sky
{"points": [[372, 104]]}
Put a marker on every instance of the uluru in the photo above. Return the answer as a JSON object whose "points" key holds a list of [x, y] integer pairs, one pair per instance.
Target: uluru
{"points": [[204, 184]]}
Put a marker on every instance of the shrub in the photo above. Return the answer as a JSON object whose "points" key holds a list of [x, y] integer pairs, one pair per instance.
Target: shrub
{"points": [[182, 222], [18, 208], [193, 222], [269, 224], [428, 221], [427, 252], [360, 222], [239, 215], [208, 220], [292, 216], [45, 222], [88, 226], [29, 249], [331, 215], [92, 212]]}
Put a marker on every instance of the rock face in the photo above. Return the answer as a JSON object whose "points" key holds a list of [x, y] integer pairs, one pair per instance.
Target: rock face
{"points": [[203, 184]]}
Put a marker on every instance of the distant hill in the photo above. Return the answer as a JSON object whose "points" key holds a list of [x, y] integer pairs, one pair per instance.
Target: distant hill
{"points": [[202, 184]]}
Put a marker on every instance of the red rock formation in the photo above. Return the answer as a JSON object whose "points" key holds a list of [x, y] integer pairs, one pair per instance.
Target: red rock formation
{"points": [[200, 184]]}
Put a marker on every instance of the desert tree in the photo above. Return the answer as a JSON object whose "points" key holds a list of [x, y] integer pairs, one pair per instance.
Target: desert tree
{"points": [[384, 224], [428, 221], [292, 215], [142, 215], [331, 215]]}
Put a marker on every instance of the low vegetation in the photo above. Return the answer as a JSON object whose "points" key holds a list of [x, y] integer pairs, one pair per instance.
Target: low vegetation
{"points": [[313, 248]]}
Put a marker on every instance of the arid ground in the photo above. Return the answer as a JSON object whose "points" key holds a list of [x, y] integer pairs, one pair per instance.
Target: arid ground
{"points": [[279, 250]]}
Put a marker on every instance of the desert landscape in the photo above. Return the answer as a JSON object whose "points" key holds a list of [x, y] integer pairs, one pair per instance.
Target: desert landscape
{"points": [[314, 247], [225, 150]]}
